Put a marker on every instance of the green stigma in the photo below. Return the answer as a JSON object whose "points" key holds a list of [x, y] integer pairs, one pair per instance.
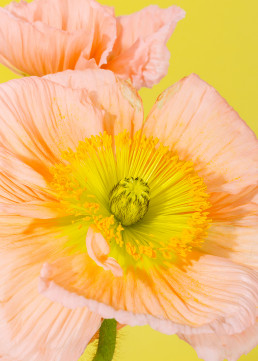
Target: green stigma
{"points": [[129, 200]]}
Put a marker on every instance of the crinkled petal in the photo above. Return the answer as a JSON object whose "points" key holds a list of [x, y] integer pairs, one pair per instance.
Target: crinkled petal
{"points": [[64, 15], [37, 49], [7, 358], [236, 242], [31, 326], [140, 51], [45, 37], [170, 301], [19, 182], [233, 232], [229, 208], [217, 347], [121, 103], [40, 119], [37, 209], [195, 121]]}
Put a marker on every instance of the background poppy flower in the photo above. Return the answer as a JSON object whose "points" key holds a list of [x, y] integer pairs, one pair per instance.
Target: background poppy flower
{"points": [[50, 36]]}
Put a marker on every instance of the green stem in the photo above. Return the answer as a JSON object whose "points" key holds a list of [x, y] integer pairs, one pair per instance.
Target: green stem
{"points": [[107, 341]]}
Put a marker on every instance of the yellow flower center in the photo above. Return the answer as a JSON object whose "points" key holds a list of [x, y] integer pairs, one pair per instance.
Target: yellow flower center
{"points": [[150, 206], [129, 200]]}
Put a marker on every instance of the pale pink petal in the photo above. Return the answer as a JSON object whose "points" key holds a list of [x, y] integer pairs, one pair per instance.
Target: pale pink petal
{"points": [[121, 103], [35, 48], [236, 242], [170, 301], [48, 36], [229, 208], [32, 327], [40, 119], [37, 209], [217, 347], [233, 232], [140, 51], [51, 332], [196, 122], [98, 250], [19, 182], [23, 190], [7, 358], [64, 14], [86, 64]]}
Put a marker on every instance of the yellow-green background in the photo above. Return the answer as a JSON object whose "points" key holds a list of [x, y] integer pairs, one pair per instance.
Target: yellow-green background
{"points": [[218, 40]]}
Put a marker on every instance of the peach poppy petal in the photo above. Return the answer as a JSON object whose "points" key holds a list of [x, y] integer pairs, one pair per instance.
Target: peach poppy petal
{"points": [[228, 208], [170, 302], [40, 119], [217, 347], [19, 182], [236, 242], [53, 36], [233, 233], [103, 22], [39, 210], [121, 103], [192, 118], [23, 191], [140, 51], [46, 49], [65, 14], [51, 332], [56, 35], [98, 250]]}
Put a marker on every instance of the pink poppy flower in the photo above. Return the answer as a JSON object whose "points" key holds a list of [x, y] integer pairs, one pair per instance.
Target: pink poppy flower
{"points": [[183, 258], [49, 36]]}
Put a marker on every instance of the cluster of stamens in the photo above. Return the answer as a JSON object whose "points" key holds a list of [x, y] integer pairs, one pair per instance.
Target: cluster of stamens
{"points": [[149, 205]]}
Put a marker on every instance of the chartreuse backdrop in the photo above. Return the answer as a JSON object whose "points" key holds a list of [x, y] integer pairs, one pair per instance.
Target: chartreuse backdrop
{"points": [[219, 41]]}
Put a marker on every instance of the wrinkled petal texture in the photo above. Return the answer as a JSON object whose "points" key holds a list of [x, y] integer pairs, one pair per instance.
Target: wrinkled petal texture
{"points": [[48, 36], [140, 51], [171, 301], [32, 327], [192, 118], [45, 37], [37, 129], [120, 102], [217, 347], [39, 119], [234, 232]]}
